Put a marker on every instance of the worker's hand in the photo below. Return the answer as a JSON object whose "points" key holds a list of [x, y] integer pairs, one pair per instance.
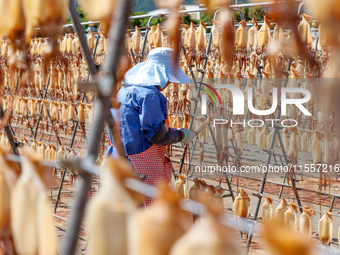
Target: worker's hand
{"points": [[188, 135]]}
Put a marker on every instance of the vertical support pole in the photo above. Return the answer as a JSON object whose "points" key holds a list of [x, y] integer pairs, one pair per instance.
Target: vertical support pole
{"points": [[101, 111], [41, 107], [92, 71], [264, 178], [291, 177], [332, 203], [9, 134], [194, 111], [281, 189], [145, 38], [300, 8], [82, 37], [197, 96]]}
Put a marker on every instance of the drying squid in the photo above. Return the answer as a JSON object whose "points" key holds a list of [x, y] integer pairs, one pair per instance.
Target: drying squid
{"points": [[265, 93], [280, 211], [217, 200], [91, 39], [293, 148], [64, 113], [285, 140], [326, 228], [158, 228], [89, 108], [32, 222], [12, 19], [316, 148], [71, 115], [70, 156], [185, 100], [158, 37], [216, 37], [190, 43], [195, 190], [290, 216], [201, 43], [69, 44], [54, 111], [219, 143], [49, 16], [304, 30], [45, 111], [304, 142], [280, 240], [323, 37], [137, 41], [41, 150], [253, 35], [7, 181], [263, 138], [241, 205], [264, 34], [128, 42], [108, 215], [251, 136], [267, 209], [328, 149], [34, 145], [227, 39], [306, 221], [241, 36], [53, 157], [206, 237], [180, 188], [81, 117], [151, 37], [238, 142], [61, 155], [278, 35], [47, 152], [99, 11]]}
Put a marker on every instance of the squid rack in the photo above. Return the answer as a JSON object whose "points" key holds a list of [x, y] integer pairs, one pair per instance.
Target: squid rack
{"points": [[104, 87], [270, 151]]}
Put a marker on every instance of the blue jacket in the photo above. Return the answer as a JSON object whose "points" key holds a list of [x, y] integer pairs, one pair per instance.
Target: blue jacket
{"points": [[142, 111]]}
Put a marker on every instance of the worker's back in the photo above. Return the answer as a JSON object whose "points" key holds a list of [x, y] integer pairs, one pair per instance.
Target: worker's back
{"points": [[142, 111]]}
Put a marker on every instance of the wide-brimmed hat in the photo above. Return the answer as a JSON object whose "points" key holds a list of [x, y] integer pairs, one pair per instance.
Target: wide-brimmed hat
{"points": [[157, 70]]}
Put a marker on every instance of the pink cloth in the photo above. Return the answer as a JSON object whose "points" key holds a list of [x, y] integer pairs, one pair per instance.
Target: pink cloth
{"points": [[154, 165]]}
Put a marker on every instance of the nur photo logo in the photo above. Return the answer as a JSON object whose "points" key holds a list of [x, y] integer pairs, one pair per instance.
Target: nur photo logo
{"points": [[239, 100]]}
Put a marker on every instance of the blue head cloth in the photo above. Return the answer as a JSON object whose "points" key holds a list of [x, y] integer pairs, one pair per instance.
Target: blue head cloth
{"points": [[157, 70]]}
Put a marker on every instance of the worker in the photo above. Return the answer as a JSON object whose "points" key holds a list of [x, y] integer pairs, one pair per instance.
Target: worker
{"points": [[143, 113]]}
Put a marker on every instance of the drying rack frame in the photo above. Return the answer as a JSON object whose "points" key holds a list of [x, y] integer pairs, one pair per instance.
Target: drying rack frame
{"points": [[104, 87]]}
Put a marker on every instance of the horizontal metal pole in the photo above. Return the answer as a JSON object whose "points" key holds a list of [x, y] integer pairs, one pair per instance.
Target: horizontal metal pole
{"points": [[83, 23], [203, 9], [65, 220], [182, 12]]}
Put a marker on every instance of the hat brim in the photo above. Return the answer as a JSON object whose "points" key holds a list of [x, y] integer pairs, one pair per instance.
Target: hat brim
{"points": [[177, 75], [155, 74]]}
